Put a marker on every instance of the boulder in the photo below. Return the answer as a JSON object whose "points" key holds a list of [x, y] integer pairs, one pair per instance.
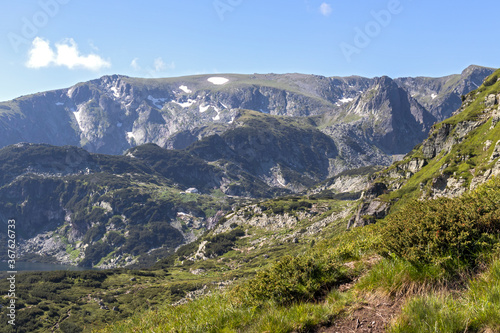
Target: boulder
{"points": [[368, 213]]}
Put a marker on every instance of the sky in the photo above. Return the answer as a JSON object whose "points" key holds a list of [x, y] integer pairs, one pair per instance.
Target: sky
{"points": [[52, 44]]}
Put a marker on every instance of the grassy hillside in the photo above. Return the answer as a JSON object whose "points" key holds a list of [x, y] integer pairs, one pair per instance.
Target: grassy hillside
{"points": [[435, 259], [288, 264], [448, 285], [461, 148], [83, 301]]}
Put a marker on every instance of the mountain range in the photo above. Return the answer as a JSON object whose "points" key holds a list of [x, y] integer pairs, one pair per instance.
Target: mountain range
{"points": [[252, 214], [113, 163], [114, 113]]}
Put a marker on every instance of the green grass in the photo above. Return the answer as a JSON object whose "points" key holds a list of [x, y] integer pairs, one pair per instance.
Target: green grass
{"points": [[477, 309], [218, 313], [291, 307], [396, 277]]}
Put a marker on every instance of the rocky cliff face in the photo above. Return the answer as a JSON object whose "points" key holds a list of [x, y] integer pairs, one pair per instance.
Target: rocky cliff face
{"points": [[115, 113], [387, 117], [459, 154], [106, 211], [442, 96], [96, 210]]}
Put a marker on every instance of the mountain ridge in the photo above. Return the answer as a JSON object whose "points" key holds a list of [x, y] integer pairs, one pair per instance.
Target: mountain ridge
{"points": [[459, 154], [114, 113]]}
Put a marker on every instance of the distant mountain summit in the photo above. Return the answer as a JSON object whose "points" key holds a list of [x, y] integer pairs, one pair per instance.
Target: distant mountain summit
{"points": [[368, 119], [459, 154], [193, 153]]}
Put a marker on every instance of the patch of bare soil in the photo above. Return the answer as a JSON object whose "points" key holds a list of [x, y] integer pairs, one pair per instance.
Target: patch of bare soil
{"points": [[371, 317]]}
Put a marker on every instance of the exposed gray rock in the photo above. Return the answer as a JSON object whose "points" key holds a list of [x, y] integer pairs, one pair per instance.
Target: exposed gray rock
{"points": [[496, 152], [447, 186], [368, 213], [438, 141], [491, 100], [495, 117], [47, 244], [114, 113], [442, 96], [374, 190]]}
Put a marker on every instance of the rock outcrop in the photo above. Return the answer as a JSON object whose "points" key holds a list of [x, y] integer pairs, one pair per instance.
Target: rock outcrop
{"points": [[460, 154]]}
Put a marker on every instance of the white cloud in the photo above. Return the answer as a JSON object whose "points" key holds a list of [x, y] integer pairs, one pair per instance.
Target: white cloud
{"points": [[40, 55], [67, 55], [160, 65], [325, 9], [135, 64]]}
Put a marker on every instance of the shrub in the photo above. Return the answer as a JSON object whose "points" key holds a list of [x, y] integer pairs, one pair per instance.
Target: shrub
{"points": [[68, 326], [115, 239], [223, 243], [451, 233], [94, 253], [278, 210], [292, 279], [491, 80]]}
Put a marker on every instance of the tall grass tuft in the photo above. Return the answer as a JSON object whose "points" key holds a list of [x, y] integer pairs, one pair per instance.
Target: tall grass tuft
{"points": [[475, 310], [396, 277]]}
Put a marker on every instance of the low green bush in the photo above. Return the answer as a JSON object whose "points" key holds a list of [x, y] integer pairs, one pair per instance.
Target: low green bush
{"points": [[450, 233], [223, 243], [290, 280]]}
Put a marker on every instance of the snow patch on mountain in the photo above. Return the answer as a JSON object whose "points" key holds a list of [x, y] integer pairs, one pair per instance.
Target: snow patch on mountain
{"points": [[204, 108], [115, 91], [218, 80], [185, 89], [78, 115], [131, 136], [70, 92], [346, 100], [217, 117], [185, 104]]}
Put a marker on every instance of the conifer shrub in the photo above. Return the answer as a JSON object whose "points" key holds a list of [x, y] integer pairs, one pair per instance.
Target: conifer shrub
{"points": [[450, 233], [223, 243], [291, 280], [491, 80]]}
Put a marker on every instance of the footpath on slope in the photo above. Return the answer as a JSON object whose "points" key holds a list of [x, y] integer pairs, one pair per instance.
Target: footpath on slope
{"points": [[372, 316]]}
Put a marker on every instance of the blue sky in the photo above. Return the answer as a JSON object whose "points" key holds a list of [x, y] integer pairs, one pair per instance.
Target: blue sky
{"points": [[50, 44]]}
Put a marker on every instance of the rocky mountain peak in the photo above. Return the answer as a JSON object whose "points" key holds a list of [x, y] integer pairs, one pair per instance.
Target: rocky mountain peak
{"points": [[476, 70], [459, 154], [114, 113]]}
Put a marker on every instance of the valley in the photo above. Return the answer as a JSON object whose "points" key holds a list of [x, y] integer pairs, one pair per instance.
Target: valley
{"points": [[280, 203]]}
